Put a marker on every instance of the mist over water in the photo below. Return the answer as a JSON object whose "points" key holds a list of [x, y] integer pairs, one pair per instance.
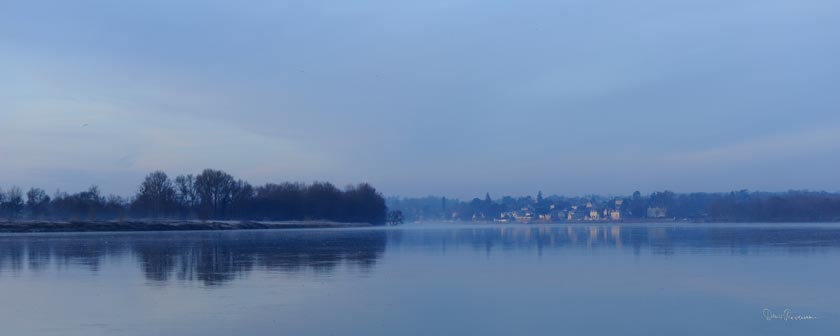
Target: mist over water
{"points": [[423, 279]]}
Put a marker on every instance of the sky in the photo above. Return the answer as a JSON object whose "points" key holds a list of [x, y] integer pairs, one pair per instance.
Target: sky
{"points": [[452, 97]]}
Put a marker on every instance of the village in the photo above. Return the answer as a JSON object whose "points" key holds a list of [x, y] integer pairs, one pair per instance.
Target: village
{"points": [[587, 212]]}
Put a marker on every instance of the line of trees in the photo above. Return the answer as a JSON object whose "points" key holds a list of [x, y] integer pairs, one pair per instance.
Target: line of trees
{"points": [[210, 195], [736, 206]]}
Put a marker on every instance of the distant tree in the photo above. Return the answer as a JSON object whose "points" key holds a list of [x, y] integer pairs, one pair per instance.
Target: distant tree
{"points": [[473, 211], [542, 206], [279, 201], [322, 200], [664, 199], [242, 200], [115, 207], [638, 206], [156, 196], [365, 205], [90, 202], [12, 203], [395, 217], [215, 192], [186, 195], [37, 203]]}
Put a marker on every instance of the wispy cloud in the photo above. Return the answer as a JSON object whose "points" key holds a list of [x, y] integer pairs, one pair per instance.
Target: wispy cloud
{"points": [[777, 147], [51, 136]]}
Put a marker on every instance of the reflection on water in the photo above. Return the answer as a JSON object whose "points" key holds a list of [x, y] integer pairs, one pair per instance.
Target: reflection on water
{"points": [[214, 258], [655, 239], [425, 279], [211, 258]]}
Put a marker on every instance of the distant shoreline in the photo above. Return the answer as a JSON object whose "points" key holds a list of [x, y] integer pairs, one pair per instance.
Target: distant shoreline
{"points": [[631, 221], [163, 225]]}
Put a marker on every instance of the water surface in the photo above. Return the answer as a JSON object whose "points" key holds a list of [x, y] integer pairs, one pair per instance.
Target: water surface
{"points": [[426, 279]]}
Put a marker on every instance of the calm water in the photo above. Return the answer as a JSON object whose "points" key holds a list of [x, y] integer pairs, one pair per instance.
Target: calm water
{"points": [[426, 279]]}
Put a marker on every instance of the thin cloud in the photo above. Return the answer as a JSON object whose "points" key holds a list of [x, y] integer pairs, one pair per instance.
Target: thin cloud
{"points": [[770, 148]]}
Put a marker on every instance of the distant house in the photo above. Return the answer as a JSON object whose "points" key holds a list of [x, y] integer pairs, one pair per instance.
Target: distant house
{"points": [[576, 216], [505, 217], [594, 215], [522, 215], [657, 212], [615, 215]]}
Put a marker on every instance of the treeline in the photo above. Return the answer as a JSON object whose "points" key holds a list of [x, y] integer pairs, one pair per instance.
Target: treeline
{"points": [[742, 206], [737, 206], [789, 207], [210, 195]]}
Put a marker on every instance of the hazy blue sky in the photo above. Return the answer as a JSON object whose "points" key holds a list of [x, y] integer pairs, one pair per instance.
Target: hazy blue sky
{"points": [[424, 97]]}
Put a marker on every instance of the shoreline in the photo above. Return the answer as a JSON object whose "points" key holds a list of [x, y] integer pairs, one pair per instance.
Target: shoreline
{"points": [[632, 221], [33, 226], [164, 225]]}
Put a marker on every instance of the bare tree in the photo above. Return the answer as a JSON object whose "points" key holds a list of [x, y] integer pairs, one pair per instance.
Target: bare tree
{"points": [[37, 202], [215, 192], [185, 194], [12, 203], [156, 196], [90, 201]]}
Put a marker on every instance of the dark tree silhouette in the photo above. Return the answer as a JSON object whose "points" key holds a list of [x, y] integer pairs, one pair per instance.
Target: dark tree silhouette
{"points": [[12, 203], [186, 195], [37, 203], [215, 192], [395, 217], [156, 196]]}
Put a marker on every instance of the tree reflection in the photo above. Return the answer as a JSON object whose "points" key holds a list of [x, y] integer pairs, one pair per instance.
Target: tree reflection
{"points": [[210, 258], [218, 258]]}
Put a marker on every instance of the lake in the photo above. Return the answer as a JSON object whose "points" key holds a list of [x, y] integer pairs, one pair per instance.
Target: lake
{"points": [[427, 279]]}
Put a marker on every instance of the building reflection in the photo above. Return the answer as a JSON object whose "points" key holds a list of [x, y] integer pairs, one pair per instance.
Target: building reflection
{"points": [[640, 238]]}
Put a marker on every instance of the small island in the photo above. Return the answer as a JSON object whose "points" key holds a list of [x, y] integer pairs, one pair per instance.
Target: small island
{"points": [[211, 200]]}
